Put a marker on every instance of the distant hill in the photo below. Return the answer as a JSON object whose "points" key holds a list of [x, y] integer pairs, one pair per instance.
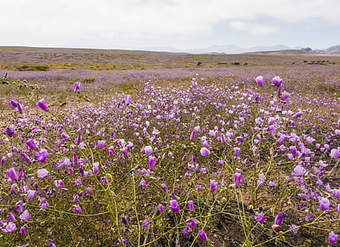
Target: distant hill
{"points": [[333, 49], [234, 49]]}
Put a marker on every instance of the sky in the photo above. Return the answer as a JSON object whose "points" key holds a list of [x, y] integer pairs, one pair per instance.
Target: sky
{"points": [[169, 24]]}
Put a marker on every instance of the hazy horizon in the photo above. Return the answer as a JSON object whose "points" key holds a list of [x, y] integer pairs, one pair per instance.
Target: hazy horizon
{"points": [[169, 24]]}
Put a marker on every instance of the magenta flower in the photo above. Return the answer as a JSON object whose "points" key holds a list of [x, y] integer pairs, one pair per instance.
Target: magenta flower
{"points": [[77, 209], [100, 144], [237, 151], [25, 215], [324, 203], [152, 161], [42, 104], [277, 81], [213, 185], [95, 168], [41, 155], [164, 187], [204, 151], [285, 95], [191, 223], [190, 205], [186, 231], [10, 227], [238, 177], [31, 144], [10, 130], [14, 103], [59, 183], [161, 208], [12, 173], [143, 183], [299, 171], [202, 235], [30, 194], [332, 237], [174, 206], [43, 202], [42, 173], [23, 232], [77, 86], [127, 98], [145, 223], [259, 80], [148, 150], [335, 153], [260, 217], [278, 220]]}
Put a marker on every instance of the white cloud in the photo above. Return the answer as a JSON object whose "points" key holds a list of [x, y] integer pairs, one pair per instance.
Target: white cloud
{"points": [[252, 28], [45, 21]]}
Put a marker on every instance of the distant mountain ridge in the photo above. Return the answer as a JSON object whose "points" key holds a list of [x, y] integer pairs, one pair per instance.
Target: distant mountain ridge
{"points": [[234, 49], [334, 49]]}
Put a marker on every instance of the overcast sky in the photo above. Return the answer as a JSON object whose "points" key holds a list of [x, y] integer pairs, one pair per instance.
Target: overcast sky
{"points": [[181, 24]]}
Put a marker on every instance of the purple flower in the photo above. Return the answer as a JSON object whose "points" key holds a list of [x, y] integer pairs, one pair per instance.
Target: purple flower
{"points": [[335, 153], [95, 168], [145, 223], [148, 150], [186, 231], [285, 95], [294, 229], [77, 86], [161, 208], [31, 144], [299, 171], [204, 151], [174, 206], [202, 235], [324, 203], [23, 232], [164, 187], [237, 151], [77, 209], [30, 194], [152, 161], [127, 98], [279, 218], [100, 144], [238, 177], [10, 227], [43, 202], [13, 102], [10, 130], [260, 217], [41, 155], [332, 237], [25, 215], [213, 185], [191, 223], [277, 81], [143, 183], [42, 104], [190, 205], [12, 173], [261, 179], [59, 183], [42, 173], [259, 80]]}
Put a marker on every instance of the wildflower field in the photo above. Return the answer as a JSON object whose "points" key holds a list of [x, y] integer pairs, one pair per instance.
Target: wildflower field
{"points": [[174, 154]]}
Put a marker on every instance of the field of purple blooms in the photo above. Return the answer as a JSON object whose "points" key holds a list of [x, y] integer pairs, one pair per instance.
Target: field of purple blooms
{"points": [[235, 156]]}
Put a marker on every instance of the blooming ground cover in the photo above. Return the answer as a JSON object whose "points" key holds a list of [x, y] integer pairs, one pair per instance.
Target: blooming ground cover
{"points": [[243, 163]]}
